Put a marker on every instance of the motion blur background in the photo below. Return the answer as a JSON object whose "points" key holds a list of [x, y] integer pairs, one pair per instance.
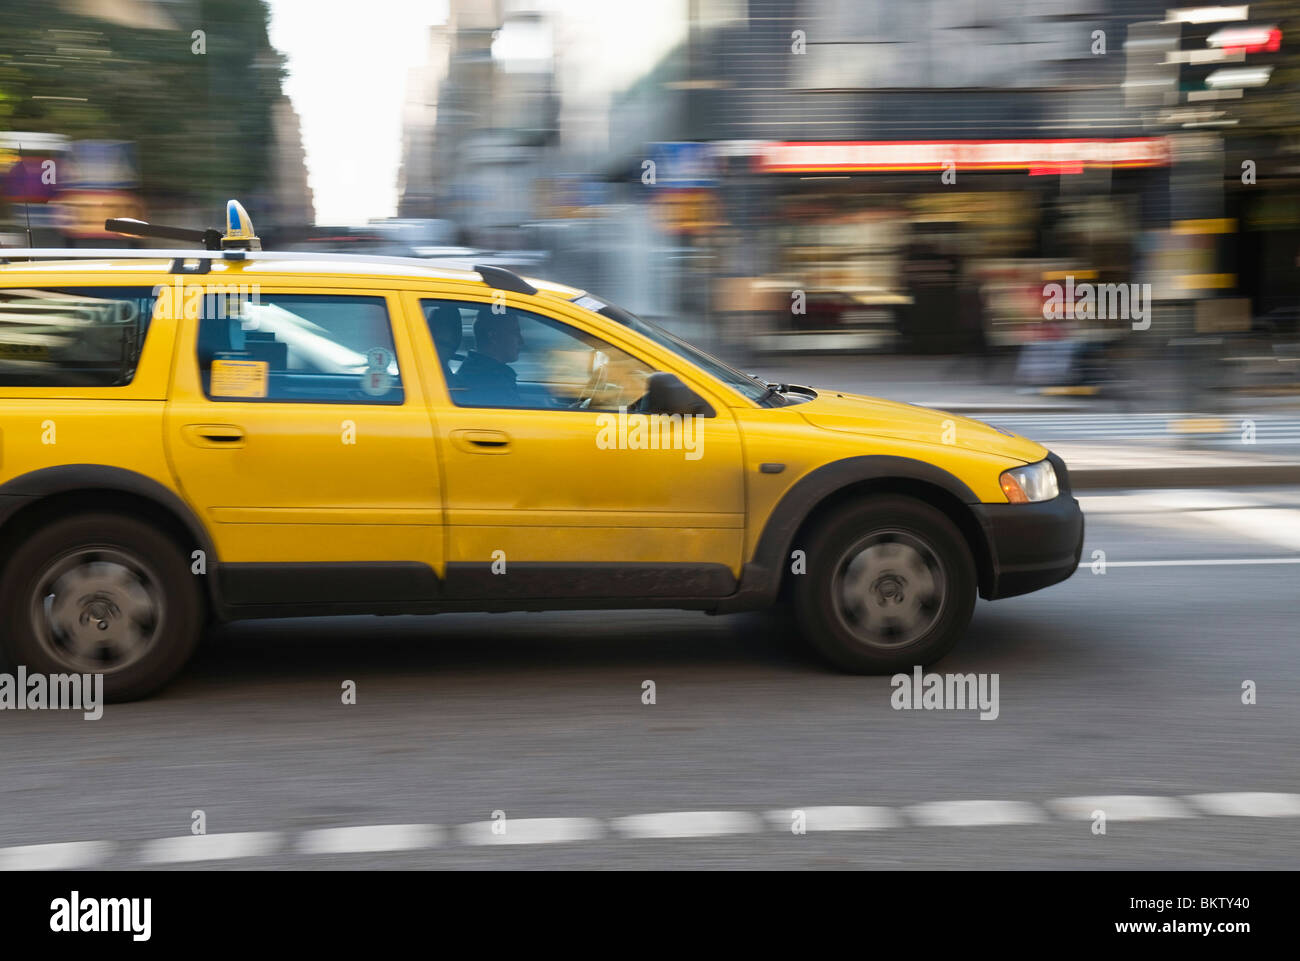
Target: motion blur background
{"points": [[715, 165], [725, 167]]}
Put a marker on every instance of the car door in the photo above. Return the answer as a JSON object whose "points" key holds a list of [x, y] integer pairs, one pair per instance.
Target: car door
{"points": [[549, 497], [298, 429]]}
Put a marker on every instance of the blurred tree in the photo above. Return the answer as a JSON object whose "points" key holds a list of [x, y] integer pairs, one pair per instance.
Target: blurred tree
{"points": [[199, 113]]}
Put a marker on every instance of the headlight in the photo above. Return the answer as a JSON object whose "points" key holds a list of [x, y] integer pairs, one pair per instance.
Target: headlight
{"points": [[1031, 483]]}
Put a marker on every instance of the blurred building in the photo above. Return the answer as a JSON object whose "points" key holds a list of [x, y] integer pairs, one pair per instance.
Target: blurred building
{"points": [[417, 182], [869, 151], [474, 129], [915, 172], [290, 195]]}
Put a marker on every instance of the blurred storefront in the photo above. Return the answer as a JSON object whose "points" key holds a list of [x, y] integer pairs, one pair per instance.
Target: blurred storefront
{"points": [[942, 246]]}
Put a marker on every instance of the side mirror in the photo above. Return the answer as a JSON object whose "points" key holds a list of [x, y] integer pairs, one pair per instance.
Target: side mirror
{"points": [[666, 394]]}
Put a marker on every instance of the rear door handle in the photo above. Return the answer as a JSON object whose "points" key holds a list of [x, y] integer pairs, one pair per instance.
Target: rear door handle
{"points": [[214, 435], [481, 441]]}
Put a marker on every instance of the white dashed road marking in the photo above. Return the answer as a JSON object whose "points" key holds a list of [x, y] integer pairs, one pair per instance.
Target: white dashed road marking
{"points": [[1121, 807], [668, 824], [1225, 562], [531, 831], [209, 847], [1248, 804], [971, 813], [369, 838], [65, 856], [688, 824], [837, 818]]}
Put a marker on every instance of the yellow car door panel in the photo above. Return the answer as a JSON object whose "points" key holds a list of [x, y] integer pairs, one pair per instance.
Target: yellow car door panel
{"points": [[553, 492], [297, 428]]}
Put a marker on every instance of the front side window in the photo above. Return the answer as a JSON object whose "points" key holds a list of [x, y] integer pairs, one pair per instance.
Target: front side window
{"points": [[309, 348], [516, 358], [744, 384], [72, 337]]}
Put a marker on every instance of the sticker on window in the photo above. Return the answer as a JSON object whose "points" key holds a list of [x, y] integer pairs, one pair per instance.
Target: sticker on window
{"points": [[376, 381], [239, 378]]}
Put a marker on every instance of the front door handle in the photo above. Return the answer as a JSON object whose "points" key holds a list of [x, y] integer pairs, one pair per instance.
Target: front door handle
{"points": [[481, 441], [214, 435]]}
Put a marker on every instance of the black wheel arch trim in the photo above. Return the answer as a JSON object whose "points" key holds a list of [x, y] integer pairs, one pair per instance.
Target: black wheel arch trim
{"points": [[762, 575], [34, 486]]}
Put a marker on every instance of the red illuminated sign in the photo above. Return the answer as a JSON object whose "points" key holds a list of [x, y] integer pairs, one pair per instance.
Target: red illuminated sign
{"points": [[1246, 39], [918, 155]]}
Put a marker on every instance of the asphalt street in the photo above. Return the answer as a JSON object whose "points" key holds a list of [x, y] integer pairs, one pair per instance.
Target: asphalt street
{"points": [[1123, 683]]}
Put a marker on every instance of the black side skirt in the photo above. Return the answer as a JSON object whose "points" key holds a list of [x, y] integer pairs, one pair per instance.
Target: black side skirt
{"points": [[303, 590]]}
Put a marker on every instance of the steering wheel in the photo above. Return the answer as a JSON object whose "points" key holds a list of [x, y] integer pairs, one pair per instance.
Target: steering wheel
{"points": [[596, 382]]}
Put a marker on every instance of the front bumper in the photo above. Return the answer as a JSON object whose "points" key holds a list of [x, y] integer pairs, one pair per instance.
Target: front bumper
{"points": [[1031, 546]]}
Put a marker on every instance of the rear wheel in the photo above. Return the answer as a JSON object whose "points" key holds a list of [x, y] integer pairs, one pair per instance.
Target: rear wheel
{"points": [[890, 584], [101, 594]]}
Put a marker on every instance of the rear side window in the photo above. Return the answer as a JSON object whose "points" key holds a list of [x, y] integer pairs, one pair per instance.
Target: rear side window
{"points": [[305, 348], [72, 337]]}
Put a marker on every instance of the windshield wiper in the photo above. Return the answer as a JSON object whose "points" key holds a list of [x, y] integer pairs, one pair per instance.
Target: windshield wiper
{"points": [[773, 390]]}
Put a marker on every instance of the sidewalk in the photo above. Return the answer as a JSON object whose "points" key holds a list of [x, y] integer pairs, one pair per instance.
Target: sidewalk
{"points": [[961, 385]]}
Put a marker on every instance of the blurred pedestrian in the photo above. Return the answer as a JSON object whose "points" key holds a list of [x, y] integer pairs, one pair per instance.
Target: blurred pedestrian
{"points": [[971, 322]]}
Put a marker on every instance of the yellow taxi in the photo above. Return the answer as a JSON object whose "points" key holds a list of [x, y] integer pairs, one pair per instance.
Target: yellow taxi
{"points": [[195, 436]]}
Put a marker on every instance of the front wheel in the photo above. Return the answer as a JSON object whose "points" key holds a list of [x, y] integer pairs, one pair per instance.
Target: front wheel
{"points": [[101, 594], [890, 584]]}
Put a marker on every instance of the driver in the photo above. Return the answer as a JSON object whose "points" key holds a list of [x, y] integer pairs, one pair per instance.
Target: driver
{"points": [[486, 378]]}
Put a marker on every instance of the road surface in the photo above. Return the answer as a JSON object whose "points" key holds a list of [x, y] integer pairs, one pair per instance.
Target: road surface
{"points": [[1119, 691]]}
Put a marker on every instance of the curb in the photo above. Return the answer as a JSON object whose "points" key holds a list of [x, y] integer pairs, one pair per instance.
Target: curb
{"points": [[1245, 475]]}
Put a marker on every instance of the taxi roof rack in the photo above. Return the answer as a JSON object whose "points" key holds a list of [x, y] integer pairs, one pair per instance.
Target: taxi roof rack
{"points": [[499, 278], [210, 238]]}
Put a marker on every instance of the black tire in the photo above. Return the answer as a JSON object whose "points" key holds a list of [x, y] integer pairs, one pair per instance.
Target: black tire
{"points": [[890, 584], [91, 573]]}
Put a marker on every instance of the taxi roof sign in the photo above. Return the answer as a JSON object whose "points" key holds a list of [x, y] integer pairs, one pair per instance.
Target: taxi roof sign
{"points": [[239, 233]]}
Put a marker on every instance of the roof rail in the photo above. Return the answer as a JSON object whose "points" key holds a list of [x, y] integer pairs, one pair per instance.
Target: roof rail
{"points": [[8, 254], [498, 278]]}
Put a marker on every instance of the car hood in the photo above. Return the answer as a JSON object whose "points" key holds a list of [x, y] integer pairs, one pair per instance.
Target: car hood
{"points": [[859, 414]]}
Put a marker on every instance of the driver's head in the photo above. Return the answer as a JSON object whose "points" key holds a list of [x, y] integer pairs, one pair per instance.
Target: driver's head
{"points": [[497, 336]]}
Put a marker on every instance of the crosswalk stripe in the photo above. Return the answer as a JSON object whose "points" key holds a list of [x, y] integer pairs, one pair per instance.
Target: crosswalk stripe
{"points": [[1268, 430]]}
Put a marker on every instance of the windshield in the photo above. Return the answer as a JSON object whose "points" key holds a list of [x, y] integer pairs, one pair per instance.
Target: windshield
{"points": [[751, 387]]}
